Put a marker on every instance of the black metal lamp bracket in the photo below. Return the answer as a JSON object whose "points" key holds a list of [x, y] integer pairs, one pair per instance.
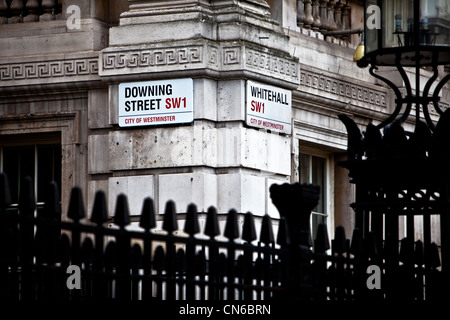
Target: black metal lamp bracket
{"points": [[423, 98]]}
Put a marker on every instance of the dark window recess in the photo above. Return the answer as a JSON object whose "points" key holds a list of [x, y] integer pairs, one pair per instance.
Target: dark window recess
{"points": [[41, 162]]}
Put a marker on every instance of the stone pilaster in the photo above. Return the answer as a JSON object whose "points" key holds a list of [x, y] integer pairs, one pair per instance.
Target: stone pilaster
{"points": [[216, 160]]}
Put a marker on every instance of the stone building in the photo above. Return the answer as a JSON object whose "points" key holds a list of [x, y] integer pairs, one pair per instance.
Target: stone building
{"points": [[176, 99]]}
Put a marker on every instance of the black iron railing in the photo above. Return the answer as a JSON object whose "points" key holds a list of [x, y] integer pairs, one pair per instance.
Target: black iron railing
{"points": [[44, 258]]}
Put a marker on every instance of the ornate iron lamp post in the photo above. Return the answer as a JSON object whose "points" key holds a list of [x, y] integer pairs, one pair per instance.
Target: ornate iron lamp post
{"points": [[408, 33], [403, 178]]}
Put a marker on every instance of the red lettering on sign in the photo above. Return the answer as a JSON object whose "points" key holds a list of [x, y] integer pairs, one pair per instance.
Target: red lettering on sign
{"points": [[257, 106], [175, 103]]}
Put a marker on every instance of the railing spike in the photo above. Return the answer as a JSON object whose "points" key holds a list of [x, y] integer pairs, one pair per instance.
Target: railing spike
{"points": [[241, 270], [231, 226], [64, 250], [355, 146], [439, 149], [136, 258], [371, 245], [322, 242], [418, 253], [432, 258], [180, 261], [47, 235], [222, 264], [99, 213], [5, 194], [395, 140], [266, 235], [52, 204], [248, 230], [147, 220], [76, 206], [373, 142], [191, 226], [406, 250], [283, 238], [27, 202], [159, 259], [339, 242], [170, 219], [212, 224], [110, 257], [87, 252], [122, 213], [357, 246], [421, 140], [200, 262]]}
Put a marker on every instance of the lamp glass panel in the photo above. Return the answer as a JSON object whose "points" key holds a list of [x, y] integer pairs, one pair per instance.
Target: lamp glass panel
{"points": [[435, 22], [392, 32]]}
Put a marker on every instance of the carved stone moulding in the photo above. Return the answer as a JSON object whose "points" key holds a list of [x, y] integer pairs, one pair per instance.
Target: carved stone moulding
{"points": [[54, 69], [342, 89], [140, 9], [207, 58]]}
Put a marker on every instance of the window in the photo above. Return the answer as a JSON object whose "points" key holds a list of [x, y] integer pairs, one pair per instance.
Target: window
{"points": [[38, 157], [313, 169]]}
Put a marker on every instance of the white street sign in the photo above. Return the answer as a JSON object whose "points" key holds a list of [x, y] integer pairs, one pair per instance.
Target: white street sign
{"points": [[268, 107], [160, 102]]}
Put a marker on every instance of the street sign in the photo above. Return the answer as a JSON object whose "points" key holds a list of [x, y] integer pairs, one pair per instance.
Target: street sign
{"points": [[150, 103], [268, 107]]}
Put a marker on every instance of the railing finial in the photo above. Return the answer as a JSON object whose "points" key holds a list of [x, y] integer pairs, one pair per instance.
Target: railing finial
{"points": [[76, 206], [99, 209], [147, 220], [122, 213]]}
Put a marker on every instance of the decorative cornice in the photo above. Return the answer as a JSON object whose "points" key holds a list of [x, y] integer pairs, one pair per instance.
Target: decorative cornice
{"points": [[149, 58], [208, 55], [236, 57], [283, 67], [338, 88], [140, 8], [29, 70]]}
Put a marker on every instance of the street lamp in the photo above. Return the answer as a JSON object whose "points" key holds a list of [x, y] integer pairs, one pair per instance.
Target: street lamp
{"points": [[408, 33], [403, 177]]}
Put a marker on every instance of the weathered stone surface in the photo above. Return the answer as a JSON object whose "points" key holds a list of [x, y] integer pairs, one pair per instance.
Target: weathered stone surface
{"points": [[136, 188], [98, 157], [199, 145], [185, 188]]}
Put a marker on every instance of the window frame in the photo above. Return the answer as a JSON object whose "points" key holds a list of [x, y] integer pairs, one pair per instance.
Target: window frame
{"points": [[31, 140], [329, 182]]}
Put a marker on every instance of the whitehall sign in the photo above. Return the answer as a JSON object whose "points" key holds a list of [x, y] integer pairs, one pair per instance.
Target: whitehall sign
{"points": [[156, 102], [268, 107]]}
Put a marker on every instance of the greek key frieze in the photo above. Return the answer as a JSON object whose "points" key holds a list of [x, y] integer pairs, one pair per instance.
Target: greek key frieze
{"points": [[231, 55], [269, 62], [48, 69], [151, 57], [213, 56], [342, 88]]}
